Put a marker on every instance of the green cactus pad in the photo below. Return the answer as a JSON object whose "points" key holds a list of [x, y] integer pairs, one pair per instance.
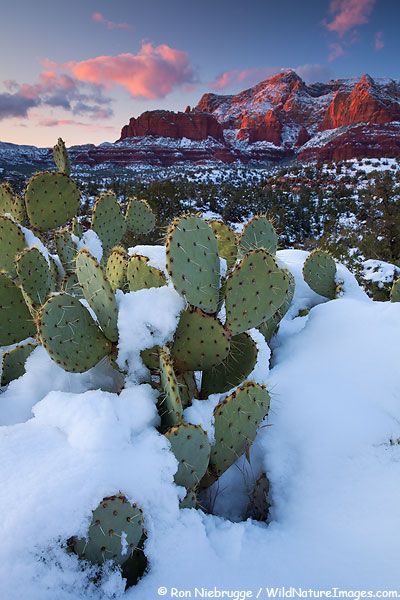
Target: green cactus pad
{"points": [[35, 276], [236, 420], [193, 262], [70, 335], [141, 275], [16, 323], [236, 367], [70, 285], [191, 448], [60, 156], [319, 272], [114, 532], [116, 268], [170, 404], [76, 227], [255, 289], [14, 362], [259, 500], [98, 293], [268, 328], [12, 242], [140, 219], [51, 200], [151, 357], [189, 501], [11, 203], [200, 342], [227, 242], [258, 233], [395, 291], [187, 388], [108, 221], [66, 250]]}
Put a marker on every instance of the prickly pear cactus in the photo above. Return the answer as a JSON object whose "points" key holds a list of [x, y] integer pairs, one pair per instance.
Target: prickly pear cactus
{"points": [[319, 272], [193, 262], [269, 328], [12, 242], [189, 501], [200, 342], [187, 388], [76, 227], [116, 268], [14, 362], [395, 292], [151, 357], [142, 276], [108, 221], [114, 532], [255, 289], [227, 242], [11, 203], [70, 285], [98, 293], [236, 420], [16, 323], [70, 335], [234, 369], [170, 404], [191, 447], [35, 276], [258, 233], [140, 219], [66, 250], [51, 200], [60, 156]]}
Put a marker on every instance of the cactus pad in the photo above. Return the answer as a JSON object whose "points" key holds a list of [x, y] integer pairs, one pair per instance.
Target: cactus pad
{"points": [[234, 369], [16, 323], [12, 242], [35, 276], [319, 272], [236, 420], [116, 268], [98, 293], [395, 291], [170, 405], [141, 275], [268, 328], [11, 203], [140, 219], [187, 388], [189, 501], [151, 357], [51, 200], [200, 342], [76, 227], [191, 448], [114, 532], [14, 362], [66, 250], [227, 242], [60, 156], [255, 289], [258, 233], [70, 335], [193, 262], [70, 285], [108, 221]]}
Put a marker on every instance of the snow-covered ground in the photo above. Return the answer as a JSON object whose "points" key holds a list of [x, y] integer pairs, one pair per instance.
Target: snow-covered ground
{"points": [[328, 446]]}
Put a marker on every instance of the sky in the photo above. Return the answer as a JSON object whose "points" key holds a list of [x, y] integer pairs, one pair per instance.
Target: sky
{"points": [[80, 69]]}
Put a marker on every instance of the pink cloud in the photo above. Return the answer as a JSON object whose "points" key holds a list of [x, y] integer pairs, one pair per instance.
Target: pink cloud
{"points": [[66, 122], [347, 14], [253, 75], [336, 50], [98, 17], [153, 72], [379, 42]]}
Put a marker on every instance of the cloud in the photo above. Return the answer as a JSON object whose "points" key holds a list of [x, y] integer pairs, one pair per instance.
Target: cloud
{"points": [[56, 91], [63, 122], [251, 76], [152, 73], [98, 17], [347, 14], [379, 42], [336, 51]]}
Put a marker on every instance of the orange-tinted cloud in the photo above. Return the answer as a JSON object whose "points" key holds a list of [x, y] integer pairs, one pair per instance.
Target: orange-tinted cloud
{"points": [[153, 72], [98, 17], [62, 122], [347, 14], [336, 50], [379, 41]]}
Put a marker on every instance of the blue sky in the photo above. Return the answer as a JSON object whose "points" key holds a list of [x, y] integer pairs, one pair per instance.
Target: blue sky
{"points": [[81, 69]]}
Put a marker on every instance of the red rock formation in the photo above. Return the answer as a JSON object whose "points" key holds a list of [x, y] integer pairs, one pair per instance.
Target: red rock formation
{"points": [[303, 137], [165, 123]]}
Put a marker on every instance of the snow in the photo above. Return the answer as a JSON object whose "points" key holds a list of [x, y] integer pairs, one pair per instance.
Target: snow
{"points": [[91, 241], [380, 272], [66, 442], [34, 242]]}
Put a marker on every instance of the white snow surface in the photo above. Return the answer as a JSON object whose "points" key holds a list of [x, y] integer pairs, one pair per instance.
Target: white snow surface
{"points": [[325, 445], [91, 241]]}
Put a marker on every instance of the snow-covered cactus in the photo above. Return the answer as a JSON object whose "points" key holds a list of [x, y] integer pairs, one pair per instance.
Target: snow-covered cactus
{"points": [[141, 275], [14, 362], [395, 291], [268, 328], [259, 232], [61, 159], [319, 272], [191, 448], [170, 403], [51, 200], [115, 531], [227, 241], [116, 268], [108, 221]]}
